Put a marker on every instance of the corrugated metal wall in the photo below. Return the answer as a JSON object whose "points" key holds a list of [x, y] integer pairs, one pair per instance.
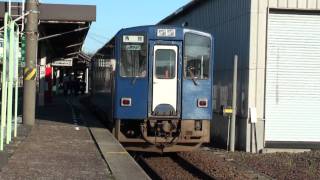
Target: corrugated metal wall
{"points": [[239, 27], [229, 22], [258, 36]]}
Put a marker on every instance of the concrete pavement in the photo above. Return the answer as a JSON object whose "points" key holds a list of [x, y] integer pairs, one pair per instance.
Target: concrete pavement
{"points": [[59, 146]]}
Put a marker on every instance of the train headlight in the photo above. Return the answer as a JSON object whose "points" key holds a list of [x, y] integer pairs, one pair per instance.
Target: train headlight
{"points": [[202, 103], [126, 102]]}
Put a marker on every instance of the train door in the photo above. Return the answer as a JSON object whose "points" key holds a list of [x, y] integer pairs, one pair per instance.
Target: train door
{"points": [[165, 79]]}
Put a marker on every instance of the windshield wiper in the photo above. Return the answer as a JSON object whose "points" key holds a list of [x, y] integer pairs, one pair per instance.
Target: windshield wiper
{"points": [[133, 82], [192, 76]]}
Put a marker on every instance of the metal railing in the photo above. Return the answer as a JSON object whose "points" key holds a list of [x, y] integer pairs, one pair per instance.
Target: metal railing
{"points": [[10, 80]]}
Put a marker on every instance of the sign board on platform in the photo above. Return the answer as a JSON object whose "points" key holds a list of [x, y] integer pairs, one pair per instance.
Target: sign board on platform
{"points": [[227, 111], [63, 62], [23, 51]]}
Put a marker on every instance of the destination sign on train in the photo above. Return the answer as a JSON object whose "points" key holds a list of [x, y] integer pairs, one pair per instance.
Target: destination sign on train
{"points": [[133, 39], [133, 47], [166, 33]]}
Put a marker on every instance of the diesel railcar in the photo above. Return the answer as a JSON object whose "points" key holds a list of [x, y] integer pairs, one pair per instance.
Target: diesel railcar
{"points": [[161, 88]]}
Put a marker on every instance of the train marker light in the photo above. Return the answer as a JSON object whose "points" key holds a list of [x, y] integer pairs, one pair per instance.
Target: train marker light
{"points": [[202, 103], [126, 102]]}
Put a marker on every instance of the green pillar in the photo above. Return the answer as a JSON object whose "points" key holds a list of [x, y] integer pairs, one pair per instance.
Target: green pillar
{"points": [[4, 83], [16, 80], [10, 83]]}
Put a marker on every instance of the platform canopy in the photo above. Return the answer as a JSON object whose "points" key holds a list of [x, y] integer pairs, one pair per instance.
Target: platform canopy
{"points": [[106, 51], [62, 29]]}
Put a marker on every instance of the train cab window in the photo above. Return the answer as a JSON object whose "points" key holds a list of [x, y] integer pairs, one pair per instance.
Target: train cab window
{"points": [[133, 61], [197, 49], [165, 63]]}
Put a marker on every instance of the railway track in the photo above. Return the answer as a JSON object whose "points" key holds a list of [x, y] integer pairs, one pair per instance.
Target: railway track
{"points": [[148, 169], [194, 170], [171, 166]]}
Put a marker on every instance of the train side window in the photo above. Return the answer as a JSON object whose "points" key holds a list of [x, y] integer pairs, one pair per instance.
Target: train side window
{"points": [[165, 62], [197, 50], [133, 60]]}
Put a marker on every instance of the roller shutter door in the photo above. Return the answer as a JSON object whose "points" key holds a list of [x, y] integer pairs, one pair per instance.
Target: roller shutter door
{"points": [[292, 101]]}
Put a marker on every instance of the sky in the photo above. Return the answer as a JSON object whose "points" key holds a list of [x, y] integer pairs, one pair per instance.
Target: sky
{"points": [[112, 15]]}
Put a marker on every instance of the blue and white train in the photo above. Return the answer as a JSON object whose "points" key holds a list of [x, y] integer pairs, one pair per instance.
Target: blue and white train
{"points": [[161, 88]]}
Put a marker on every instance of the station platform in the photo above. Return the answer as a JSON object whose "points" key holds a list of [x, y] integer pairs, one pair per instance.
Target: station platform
{"points": [[69, 143]]}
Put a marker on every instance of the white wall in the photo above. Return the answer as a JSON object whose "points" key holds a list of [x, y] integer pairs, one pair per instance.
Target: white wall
{"points": [[258, 36]]}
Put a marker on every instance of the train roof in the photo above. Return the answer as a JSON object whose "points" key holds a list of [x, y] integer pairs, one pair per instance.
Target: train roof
{"points": [[106, 52]]}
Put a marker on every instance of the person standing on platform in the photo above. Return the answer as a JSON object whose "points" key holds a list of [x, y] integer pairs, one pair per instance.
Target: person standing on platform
{"points": [[65, 82]]}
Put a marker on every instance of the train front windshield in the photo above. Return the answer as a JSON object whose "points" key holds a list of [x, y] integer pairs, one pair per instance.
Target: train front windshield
{"points": [[133, 56], [197, 51]]}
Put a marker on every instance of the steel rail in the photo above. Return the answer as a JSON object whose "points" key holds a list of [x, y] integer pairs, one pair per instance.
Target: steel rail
{"points": [[147, 168], [191, 168]]}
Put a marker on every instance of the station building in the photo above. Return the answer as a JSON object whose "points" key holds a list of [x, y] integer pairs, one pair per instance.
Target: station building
{"points": [[278, 44]]}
